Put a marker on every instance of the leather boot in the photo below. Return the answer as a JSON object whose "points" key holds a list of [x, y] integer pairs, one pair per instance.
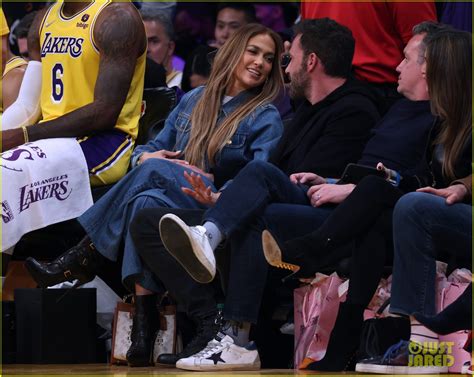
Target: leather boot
{"points": [[145, 327], [81, 262], [206, 330], [344, 340]]}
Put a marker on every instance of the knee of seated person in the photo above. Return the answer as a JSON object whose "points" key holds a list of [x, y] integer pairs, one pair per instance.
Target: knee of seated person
{"points": [[372, 181], [142, 223], [413, 204], [258, 167]]}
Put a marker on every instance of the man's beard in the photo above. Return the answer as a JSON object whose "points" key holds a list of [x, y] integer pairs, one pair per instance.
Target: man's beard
{"points": [[298, 85]]}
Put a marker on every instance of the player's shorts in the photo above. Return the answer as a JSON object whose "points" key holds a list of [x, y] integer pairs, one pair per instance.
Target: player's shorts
{"points": [[107, 155]]}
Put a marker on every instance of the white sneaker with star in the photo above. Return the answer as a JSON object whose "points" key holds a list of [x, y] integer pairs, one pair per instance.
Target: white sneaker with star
{"points": [[222, 354], [190, 246]]}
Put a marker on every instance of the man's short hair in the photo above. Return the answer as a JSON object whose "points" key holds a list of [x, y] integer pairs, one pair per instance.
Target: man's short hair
{"points": [[21, 30], [160, 18], [331, 42], [248, 9], [429, 28]]}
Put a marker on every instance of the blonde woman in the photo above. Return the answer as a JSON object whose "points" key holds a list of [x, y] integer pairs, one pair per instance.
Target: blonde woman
{"points": [[213, 132]]}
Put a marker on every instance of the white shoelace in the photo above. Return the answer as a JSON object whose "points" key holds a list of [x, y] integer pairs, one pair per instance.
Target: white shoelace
{"points": [[212, 347]]}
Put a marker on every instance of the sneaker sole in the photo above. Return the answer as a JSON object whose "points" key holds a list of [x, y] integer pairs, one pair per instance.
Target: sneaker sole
{"points": [[178, 242], [219, 367], [272, 253], [392, 369]]}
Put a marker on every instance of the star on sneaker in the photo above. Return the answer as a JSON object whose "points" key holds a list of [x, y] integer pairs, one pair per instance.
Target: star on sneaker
{"points": [[222, 354], [406, 358], [190, 246]]}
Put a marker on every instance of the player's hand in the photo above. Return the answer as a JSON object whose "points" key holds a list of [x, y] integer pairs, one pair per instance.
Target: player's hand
{"points": [[326, 193], [11, 139], [164, 154], [309, 179], [200, 192], [453, 194]]}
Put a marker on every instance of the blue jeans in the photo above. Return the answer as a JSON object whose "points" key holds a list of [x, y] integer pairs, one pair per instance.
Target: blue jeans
{"points": [[252, 190], [155, 183], [248, 267], [424, 227], [244, 210]]}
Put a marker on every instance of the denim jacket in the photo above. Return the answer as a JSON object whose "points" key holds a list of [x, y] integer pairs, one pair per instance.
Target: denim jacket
{"points": [[256, 137]]}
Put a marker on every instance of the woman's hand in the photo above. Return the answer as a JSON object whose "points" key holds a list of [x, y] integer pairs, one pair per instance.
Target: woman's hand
{"points": [[309, 179], [453, 194], [199, 191], [164, 154], [322, 194]]}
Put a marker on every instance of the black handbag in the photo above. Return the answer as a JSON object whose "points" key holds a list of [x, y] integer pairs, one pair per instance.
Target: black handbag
{"points": [[378, 334]]}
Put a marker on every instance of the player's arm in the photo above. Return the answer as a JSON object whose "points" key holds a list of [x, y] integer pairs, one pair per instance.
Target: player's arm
{"points": [[11, 85], [120, 35]]}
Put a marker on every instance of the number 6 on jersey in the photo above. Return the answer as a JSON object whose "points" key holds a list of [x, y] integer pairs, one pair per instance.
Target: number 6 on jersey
{"points": [[57, 84]]}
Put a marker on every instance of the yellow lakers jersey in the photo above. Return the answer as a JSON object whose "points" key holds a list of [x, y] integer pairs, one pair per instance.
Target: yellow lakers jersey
{"points": [[70, 66], [11, 64]]}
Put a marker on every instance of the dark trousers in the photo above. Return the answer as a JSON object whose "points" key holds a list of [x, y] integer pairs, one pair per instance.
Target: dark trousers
{"points": [[248, 267], [364, 218], [198, 299], [256, 186]]}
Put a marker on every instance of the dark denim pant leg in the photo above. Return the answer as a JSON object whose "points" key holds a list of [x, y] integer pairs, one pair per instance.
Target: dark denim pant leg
{"points": [[257, 185], [422, 225], [197, 299], [249, 268]]}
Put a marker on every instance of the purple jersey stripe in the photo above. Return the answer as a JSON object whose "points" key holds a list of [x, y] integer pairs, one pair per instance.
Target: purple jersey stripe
{"points": [[98, 148]]}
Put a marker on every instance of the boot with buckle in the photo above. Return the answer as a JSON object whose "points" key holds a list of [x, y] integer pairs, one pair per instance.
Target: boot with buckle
{"points": [[80, 263]]}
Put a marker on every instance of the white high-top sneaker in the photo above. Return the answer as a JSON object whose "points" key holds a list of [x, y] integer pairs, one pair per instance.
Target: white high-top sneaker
{"points": [[190, 246], [222, 354]]}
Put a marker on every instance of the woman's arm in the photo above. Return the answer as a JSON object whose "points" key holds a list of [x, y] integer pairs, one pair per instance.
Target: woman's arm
{"points": [[265, 132]]}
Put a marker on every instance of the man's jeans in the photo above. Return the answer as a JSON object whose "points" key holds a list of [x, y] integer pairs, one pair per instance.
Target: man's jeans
{"points": [[244, 210], [252, 190], [425, 227], [248, 267]]}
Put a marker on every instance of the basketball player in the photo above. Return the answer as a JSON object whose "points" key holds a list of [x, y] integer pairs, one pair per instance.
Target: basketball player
{"points": [[92, 58]]}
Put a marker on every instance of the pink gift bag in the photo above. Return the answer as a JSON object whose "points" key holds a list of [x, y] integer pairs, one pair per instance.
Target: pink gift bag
{"points": [[448, 290], [316, 307]]}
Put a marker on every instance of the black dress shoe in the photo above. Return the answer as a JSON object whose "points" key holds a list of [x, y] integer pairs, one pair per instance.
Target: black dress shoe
{"points": [[81, 262]]}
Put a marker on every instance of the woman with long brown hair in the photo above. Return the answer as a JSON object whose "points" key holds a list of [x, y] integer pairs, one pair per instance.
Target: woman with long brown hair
{"points": [[213, 132]]}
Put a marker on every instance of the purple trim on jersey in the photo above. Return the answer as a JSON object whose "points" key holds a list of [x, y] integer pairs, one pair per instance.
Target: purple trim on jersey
{"points": [[100, 147]]}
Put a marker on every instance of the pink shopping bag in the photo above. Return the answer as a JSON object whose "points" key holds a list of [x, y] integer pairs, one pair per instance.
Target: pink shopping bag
{"points": [[458, 339], [316, 307]]}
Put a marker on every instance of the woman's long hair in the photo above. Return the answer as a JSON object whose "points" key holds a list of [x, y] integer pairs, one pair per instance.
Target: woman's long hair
{"points": [[206, 139], [448, 74]]}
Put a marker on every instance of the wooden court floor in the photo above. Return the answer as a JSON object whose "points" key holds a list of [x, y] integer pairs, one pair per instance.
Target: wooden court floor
{"points": [[121, 371]]}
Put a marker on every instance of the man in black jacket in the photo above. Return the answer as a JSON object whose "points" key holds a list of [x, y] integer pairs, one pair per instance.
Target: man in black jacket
{"points": [[329, 131]]}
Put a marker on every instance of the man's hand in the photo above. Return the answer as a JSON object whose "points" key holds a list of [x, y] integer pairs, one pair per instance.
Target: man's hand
{"points": [[452, 194], [12, 138], [163, 153], [309, 179], [326, 193], [199, 191]]}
